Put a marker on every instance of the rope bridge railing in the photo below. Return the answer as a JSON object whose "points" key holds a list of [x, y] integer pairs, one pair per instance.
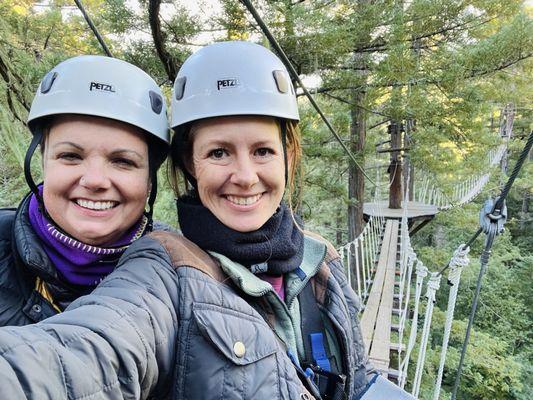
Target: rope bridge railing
{"points": [[425, 190], [413, 277], [360, 255]]}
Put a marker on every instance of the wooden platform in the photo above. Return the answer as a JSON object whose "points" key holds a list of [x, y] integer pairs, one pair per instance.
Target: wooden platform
{"points": [[376, 322], [415, 210], [418, 214]]}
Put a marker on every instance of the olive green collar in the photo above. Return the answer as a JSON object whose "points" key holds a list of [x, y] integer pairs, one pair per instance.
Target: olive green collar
{"points": [[314, 253]]}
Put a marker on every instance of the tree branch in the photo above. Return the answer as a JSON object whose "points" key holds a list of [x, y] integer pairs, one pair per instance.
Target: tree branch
{"points": [[169, 63], [382, 45]]}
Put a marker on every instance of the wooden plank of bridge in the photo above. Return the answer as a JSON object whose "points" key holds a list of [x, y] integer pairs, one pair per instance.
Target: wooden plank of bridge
{"points": [[377, 316], [368, 320]]}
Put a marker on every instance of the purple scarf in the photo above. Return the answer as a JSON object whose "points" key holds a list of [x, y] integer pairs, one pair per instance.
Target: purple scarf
{"points": [[79, 263]]}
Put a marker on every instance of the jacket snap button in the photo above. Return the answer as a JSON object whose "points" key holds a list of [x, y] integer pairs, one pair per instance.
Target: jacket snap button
{"points": [[239, 349], [304, 396], [36, 308]]}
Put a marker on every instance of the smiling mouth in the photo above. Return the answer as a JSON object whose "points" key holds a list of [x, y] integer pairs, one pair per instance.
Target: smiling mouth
{"points": [[96, 205], [244, 200]]}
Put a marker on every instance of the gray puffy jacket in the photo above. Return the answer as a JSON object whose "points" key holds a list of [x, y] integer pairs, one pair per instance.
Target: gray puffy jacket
{"points": [[22, 260], [174, 322]]}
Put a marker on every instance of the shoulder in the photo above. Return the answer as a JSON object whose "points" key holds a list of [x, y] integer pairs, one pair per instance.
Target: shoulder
{"points": [[331, 253], [332, 267], [177, 251], [7, 218], [13, 285], [162, 226]]}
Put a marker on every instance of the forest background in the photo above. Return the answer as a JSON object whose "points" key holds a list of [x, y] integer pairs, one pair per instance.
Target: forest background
{"points": [[442, 69]]}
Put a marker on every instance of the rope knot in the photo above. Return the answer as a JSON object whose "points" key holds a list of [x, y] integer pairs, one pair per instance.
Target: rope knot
{"points": [[421, 270], [433, 286], [460, 257]]}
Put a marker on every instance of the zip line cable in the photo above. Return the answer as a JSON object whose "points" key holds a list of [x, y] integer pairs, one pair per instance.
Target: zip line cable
{"points": [[93, 28], [248, 4], [492, 224], [499, 202]]}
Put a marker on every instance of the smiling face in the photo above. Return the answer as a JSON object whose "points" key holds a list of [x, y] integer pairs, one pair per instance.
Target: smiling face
{"points": [[96, 178], [239, 168]]}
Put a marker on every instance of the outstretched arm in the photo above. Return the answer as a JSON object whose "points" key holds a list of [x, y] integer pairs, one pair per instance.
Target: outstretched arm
{"points": [[116, 343]]}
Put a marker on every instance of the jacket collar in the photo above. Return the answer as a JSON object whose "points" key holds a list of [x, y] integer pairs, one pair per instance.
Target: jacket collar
{"points": [[28, 247], [314, 253]]}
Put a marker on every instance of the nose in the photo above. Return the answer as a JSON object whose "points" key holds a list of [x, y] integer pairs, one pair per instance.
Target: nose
{"points": [[244, 173], [95, 177]]}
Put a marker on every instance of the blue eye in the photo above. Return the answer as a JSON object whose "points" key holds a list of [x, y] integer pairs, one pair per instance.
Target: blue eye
{"points": [[124, 162]]}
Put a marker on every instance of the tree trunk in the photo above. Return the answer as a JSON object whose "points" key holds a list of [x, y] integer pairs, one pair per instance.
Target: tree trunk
{"points": [[356, 179], [395, 167], [525, 211]]}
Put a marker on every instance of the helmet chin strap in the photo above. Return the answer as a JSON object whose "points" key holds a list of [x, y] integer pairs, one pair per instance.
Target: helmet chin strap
{"points": [[37, 139], [151, 199], [38, 135]]}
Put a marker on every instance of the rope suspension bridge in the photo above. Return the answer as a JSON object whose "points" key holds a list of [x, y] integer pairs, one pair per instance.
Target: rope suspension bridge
{"points": [[385, 271]]}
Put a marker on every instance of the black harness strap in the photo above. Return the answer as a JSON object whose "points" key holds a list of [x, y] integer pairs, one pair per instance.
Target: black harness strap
{"points": [[318, 356]]}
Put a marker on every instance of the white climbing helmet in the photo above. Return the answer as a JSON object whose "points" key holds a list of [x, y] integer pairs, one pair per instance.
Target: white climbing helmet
{"points": [[232, 78], [103, 87]]}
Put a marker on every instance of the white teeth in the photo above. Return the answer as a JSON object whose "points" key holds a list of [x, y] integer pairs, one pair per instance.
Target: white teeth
{"points": [[95, 205], [244, 201]]}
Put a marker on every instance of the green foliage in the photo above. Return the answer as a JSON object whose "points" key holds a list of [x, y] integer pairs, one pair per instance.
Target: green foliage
{"points": [[445, 66]]}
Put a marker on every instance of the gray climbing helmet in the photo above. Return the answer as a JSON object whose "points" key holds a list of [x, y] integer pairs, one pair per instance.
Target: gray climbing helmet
{"points": [[232, 78], [103, 87]]}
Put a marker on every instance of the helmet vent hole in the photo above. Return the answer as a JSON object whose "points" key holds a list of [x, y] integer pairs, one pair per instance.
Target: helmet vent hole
{"points": [[156, 101], [48, 81], [281, 81], [179, 87]]}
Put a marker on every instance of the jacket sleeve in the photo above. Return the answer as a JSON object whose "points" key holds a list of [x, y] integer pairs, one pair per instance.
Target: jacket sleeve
{"points": [[116, 343]]}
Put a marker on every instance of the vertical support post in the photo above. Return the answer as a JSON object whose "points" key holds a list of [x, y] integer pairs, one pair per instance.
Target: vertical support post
{"points": [[363, 268], [357, 268]]}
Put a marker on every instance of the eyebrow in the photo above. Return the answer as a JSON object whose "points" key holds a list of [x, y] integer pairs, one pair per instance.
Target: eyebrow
{"points": [[114, 152], [229, 144], [127, 151], [67, 144]]}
